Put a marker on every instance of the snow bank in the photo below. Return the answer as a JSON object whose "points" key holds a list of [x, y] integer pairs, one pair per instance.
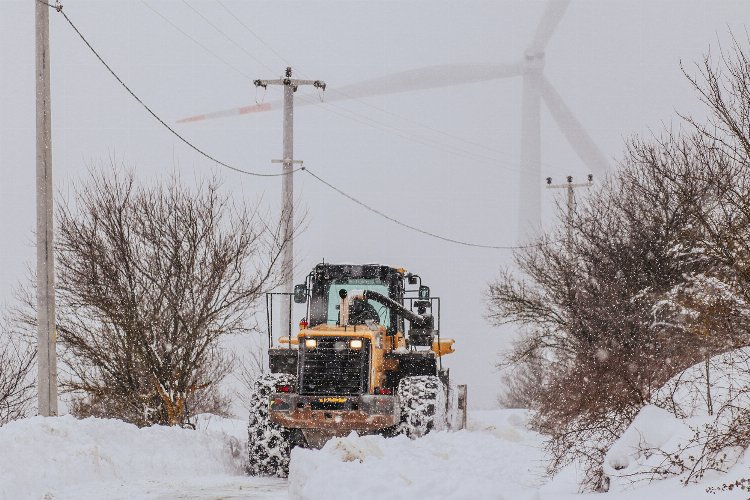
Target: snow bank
{"points": [[654, 433], [667, 438], [638, 465], [63, 457], [727, 378], [496, 458]]}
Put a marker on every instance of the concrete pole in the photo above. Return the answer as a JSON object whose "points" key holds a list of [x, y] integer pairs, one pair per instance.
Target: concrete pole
{"points": [[287, 196], [570, 188], [45, 267], [287, 189], [571, 208]]}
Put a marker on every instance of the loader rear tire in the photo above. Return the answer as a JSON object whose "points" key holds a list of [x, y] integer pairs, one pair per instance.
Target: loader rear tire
{"points": [[268, 443], [422, 403]]}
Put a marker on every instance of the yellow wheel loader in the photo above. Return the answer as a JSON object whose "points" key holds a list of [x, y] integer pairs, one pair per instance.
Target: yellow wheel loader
{"points": [[366, 358]]}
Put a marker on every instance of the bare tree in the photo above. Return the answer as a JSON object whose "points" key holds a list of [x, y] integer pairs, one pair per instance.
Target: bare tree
{"points": [[149, 279], [523, 382], [655, 279], [248, 368], [17, 384]]}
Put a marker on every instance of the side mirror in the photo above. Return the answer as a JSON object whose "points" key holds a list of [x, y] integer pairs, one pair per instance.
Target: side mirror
{"points": [[300, 294], [424, 292]]}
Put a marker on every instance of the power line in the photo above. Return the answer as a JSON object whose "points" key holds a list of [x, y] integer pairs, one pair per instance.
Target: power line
{"points": [[314, 175], [283, 59], [222, 33], [418, 123], [199, 44], [426, 141], [408, 226], [152, 113]]}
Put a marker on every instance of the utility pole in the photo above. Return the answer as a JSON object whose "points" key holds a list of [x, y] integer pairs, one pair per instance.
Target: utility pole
{"points": [[570, 187], [287, 188], [45, 259]]}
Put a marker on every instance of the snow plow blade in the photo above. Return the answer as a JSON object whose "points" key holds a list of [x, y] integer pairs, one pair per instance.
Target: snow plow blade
{"points": [[343, 413]]}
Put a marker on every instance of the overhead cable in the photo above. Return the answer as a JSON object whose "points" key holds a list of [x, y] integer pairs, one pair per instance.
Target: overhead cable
{"points": [[152, 113], [58, 7], [426, 141], [231, 40], [409, 226], [199, 44], [254, 34]]}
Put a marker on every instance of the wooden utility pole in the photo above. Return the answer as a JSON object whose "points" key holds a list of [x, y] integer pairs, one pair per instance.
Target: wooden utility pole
{"points": [[570, 187], [45, 261], [287, 189]]}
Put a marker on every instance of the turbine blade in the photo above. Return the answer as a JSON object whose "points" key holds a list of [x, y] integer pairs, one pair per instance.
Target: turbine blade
{"points": [[254, 108], [428, 77], [550, 19], [573, 131]]}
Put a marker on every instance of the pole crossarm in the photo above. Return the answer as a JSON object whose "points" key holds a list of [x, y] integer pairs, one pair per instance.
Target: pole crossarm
{"points": [[571, 185], [288, 160], [289, 81]]}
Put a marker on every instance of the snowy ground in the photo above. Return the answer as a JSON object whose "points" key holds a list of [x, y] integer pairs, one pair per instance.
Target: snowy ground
{"points": [[495, 458], [65, 458]]}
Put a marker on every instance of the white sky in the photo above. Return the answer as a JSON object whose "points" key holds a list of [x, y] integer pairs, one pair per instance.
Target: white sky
{"points": [[616, 64]]}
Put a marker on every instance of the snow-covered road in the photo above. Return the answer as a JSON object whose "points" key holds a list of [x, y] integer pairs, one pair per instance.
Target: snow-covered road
{"points": [[219, 487]]}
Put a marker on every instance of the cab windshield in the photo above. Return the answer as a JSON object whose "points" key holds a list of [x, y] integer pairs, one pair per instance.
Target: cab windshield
{"points": [[350, 284]]}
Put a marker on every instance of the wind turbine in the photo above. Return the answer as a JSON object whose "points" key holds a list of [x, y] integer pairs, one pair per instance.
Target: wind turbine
{"points": [[535, 87]]}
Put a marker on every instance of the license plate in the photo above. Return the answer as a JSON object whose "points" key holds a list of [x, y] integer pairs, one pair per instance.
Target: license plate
{"points": [[332, 400]]}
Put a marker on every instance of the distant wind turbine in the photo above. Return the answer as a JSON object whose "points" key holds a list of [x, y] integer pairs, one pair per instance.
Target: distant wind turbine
{"points": [[536, 88]]}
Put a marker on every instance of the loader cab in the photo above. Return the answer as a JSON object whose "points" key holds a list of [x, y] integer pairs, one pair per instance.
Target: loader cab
{"points": [[327, 282]]}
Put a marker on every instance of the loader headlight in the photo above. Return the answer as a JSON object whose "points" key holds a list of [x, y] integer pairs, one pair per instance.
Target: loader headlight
{"points": [[356, 344], [311, 343]]}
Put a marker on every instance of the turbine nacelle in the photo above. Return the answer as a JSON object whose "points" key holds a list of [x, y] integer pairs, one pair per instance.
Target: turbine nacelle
{"points": [[533, 61]]}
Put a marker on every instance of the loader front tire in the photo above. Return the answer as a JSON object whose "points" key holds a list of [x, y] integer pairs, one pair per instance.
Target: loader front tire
{"points": [[422, 404], [268, 443]]}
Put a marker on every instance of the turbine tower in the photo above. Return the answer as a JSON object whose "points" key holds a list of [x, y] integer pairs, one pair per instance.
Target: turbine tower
{"points": [[535, 89]]}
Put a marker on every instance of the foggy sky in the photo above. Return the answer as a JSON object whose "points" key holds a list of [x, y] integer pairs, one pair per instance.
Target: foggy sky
{"points": [[616, 64]]}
